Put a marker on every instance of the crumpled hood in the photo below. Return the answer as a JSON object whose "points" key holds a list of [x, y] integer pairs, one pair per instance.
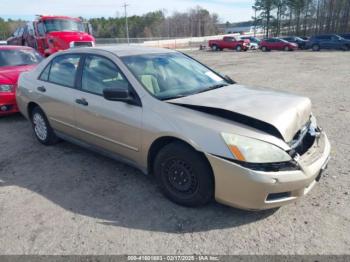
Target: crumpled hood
{"points": [[263, 109], [10, 74]]}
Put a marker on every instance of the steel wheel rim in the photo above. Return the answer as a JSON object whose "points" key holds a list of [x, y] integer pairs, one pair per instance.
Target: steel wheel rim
{"points": [[180, 177], [40, 127]]}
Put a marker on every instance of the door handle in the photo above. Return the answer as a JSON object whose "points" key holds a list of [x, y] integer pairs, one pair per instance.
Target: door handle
{"points": [[81, 101], [41, 89]]}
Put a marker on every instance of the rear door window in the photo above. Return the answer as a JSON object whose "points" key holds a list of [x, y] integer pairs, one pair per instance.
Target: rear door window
{"points": [[63, 70]]}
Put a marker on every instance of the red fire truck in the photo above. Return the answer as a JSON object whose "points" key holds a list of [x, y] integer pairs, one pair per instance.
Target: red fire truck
{"points": [[49, 34]]}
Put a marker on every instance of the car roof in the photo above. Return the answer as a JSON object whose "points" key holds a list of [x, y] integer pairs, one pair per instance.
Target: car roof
{"points": [[126, 50], [14, 47]]}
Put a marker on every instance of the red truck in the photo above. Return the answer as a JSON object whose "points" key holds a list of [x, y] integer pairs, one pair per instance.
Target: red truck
{"points": [[49, 34], [229, 42]]}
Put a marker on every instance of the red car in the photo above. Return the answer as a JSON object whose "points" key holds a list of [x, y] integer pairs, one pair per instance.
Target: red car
{"points": [[13, 61], [277, 44], [229, 42]]}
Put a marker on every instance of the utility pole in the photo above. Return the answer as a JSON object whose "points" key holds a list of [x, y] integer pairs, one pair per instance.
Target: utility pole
{"points": [[254, 7], [126, 22]]}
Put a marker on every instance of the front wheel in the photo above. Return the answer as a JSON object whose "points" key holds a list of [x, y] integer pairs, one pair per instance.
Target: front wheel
{"points": [[286, 48], [264, 49], [345, 48], [238, 48], [42, 129], [184, 175]]}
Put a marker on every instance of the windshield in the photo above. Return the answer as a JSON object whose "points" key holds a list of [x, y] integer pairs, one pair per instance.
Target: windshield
{"points": [[19, 57], [59, 25], [172, 75]]}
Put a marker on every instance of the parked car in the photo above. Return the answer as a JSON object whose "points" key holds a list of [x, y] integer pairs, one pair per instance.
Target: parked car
{"points": [[229, 42], [199, 133], [277, 44], [332, 41], [254, 42], [49, 34], [296, 40], [13, 61], [345, 36]]}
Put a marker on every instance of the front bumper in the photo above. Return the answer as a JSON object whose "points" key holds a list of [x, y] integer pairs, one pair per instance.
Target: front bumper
{"points": [[254, 190], [8, 104]]}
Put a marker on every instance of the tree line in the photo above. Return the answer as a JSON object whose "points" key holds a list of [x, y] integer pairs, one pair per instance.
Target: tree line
{"points": [[302, 17], [194, 22]]}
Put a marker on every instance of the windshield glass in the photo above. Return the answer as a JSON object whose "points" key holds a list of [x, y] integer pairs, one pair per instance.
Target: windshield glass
{"points": [[172, 75], [59, 25], [19, 57]]}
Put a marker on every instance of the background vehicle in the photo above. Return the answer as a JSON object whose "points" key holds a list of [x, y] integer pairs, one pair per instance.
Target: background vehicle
{"points": [[49, 34], [254, 42], [345, 36], [154, 108], [296, 40], [13, 61], [277, 44], [332, 41], [229, 42]]}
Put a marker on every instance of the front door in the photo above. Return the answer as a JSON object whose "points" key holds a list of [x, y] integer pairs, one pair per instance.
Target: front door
{"points": [[111, 125]]}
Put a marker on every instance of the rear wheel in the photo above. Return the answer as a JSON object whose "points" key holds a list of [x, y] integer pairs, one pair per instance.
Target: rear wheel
{"points": [[345, 48], [316, 48], [286, 48], [184, 175], [264, 49], [238, 48], [214, 48], [42, 129]]}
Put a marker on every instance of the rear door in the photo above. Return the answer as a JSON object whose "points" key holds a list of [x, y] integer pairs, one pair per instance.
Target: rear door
{"points": [[56, 88], [111, 125]]}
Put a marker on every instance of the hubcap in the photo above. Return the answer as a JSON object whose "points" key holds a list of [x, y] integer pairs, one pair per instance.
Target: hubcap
{"points": [[180, 176], [40, 128]]}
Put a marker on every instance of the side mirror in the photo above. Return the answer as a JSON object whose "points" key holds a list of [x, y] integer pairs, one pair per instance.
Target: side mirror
{"points": [[229, 80], [117, 94]]}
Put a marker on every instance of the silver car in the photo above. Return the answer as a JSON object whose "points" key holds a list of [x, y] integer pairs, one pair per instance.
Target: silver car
{"points": [[202, 135]]}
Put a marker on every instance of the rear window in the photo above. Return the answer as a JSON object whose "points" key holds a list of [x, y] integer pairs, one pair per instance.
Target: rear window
{"points": [[19, 57]]}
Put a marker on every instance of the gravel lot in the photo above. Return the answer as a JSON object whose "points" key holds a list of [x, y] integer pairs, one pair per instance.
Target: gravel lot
{"points": [[66, 200]]}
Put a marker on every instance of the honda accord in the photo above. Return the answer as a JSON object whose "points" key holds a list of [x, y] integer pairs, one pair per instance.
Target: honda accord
{"points": [[201, 135]]}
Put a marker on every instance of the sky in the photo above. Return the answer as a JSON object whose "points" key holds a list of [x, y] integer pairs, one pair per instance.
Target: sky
{"points": [[228, 10]]}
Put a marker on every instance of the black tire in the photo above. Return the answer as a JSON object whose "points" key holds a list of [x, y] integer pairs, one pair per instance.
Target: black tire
{"points": [[215, 48], [41, 127], [264, 49], [184, 175], [239, 48], [345, 48], [286, 48], [316, 47]]}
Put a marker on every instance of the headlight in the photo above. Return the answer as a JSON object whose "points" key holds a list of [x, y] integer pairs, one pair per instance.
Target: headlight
{"points": [[6, 88], [254, 151]]}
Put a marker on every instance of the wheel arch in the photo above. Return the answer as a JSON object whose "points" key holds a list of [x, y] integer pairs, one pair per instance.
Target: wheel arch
{"points": [[30, 107], [160, 143]]}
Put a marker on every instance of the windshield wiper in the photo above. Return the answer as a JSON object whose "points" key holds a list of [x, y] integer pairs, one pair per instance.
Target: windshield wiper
{"points": [[200, 91], [210, 88], [172, 97]]}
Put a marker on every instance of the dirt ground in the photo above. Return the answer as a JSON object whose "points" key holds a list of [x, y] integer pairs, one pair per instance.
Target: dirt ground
{"points": [[66, 200]]}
